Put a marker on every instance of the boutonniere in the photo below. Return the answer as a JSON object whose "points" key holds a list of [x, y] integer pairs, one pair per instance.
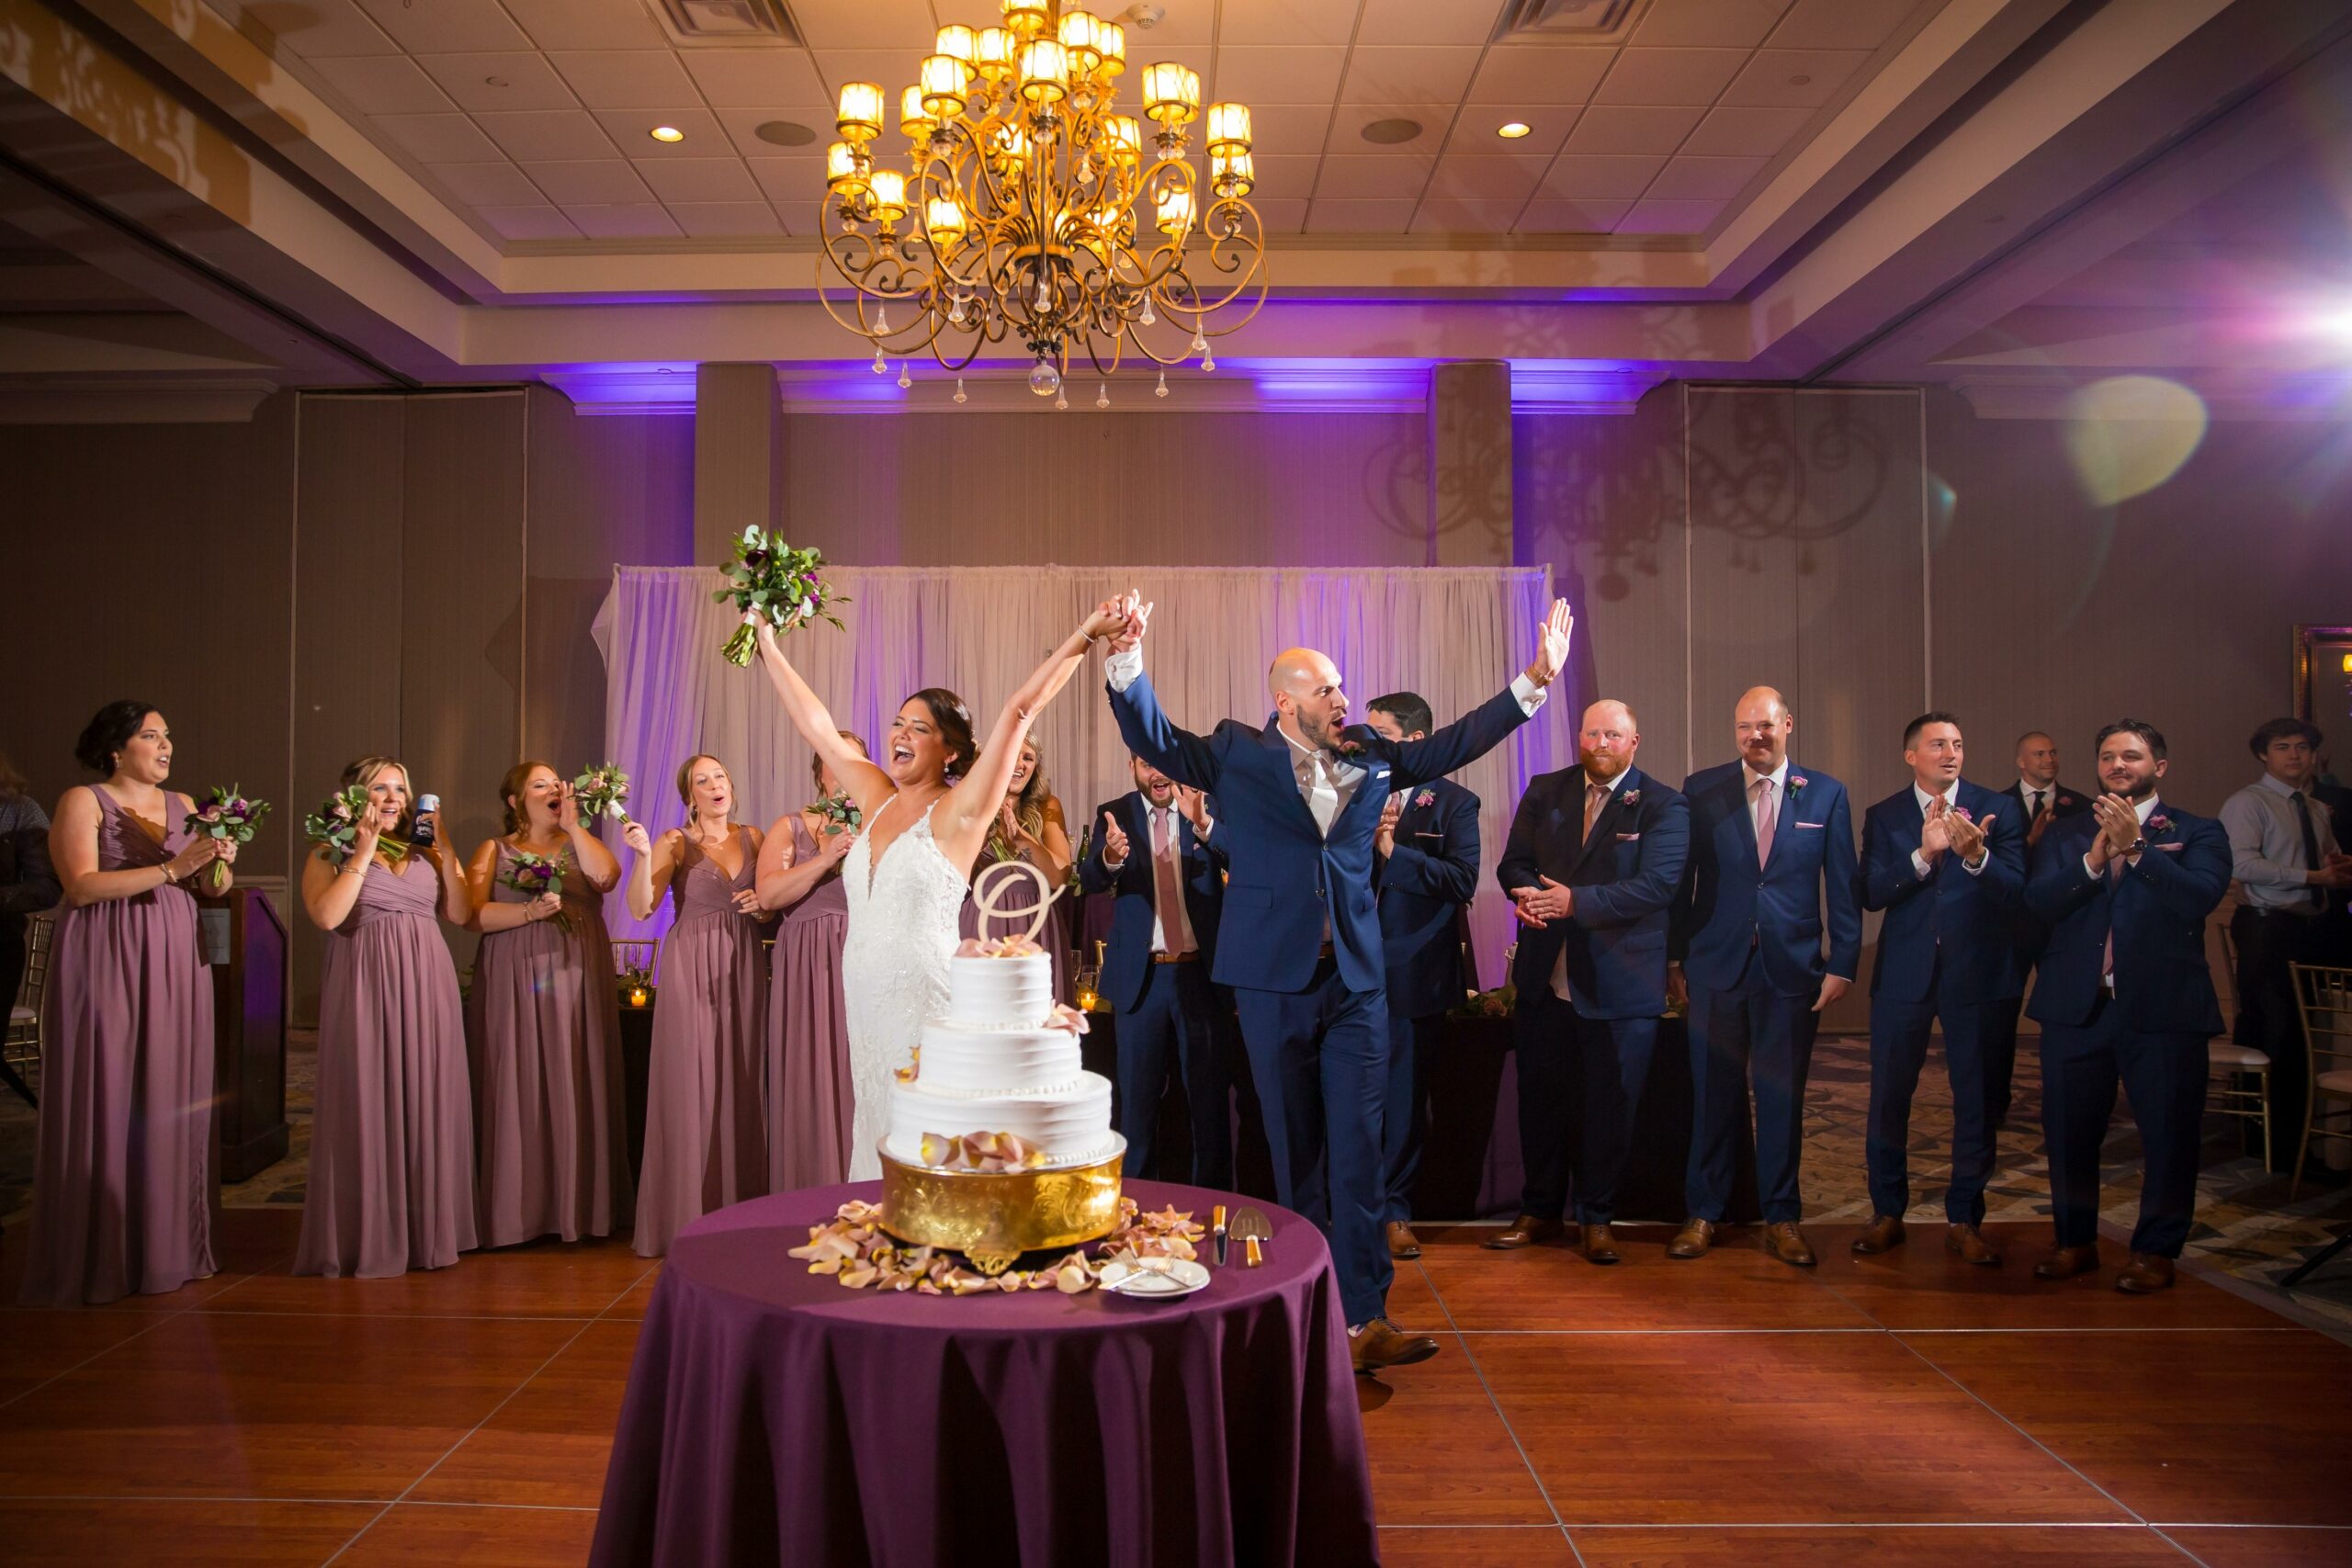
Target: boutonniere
{"points": [[1348, 750], [1962, 813], [1631, 797], [2065, 800], [2160, 823], [1796, 783], [1427, 797]]}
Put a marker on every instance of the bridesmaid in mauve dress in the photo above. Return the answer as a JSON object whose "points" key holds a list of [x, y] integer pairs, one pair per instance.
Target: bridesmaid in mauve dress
{"points": [[122, 1175], [543, 1027], [705, 1142], [810, 1099], [391, 1182], [1029, 828]]}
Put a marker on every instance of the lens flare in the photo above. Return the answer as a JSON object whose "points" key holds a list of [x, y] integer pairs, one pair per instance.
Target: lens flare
{"points": [[2127, 434]]}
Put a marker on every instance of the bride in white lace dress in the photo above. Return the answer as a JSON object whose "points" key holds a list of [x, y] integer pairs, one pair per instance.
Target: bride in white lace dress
{"points": [[906, 875]]}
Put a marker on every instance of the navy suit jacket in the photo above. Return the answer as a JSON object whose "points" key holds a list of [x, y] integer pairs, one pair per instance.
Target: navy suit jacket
{"points": [[1126, 954], [1969, 916], [1731, 908], [1625, 878], [1425, 887], [2032, 932], [2157, 910], [1286, 877]]}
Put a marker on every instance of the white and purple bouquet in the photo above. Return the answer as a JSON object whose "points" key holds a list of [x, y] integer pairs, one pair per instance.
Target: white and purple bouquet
{"points": [[534, 874], [769, 580], [602, 791], [335, 825], [840, 812], [224, 814]]}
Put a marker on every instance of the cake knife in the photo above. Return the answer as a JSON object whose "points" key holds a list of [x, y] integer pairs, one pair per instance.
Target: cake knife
{"points": [[1216, 1228]]}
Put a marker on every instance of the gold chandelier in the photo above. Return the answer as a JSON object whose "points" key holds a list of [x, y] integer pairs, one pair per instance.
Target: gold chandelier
{"points": [[1020, 211]]}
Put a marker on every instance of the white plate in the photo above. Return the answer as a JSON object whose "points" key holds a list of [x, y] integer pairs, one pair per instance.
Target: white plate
{"points": [[1154, 1277]]}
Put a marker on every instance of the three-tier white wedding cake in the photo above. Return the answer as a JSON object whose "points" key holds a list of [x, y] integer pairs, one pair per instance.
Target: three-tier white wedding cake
{"points": [[998, 1063]]}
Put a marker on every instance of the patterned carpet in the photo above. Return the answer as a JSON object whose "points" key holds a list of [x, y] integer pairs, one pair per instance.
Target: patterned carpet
{"points": [[2244, 1225]]}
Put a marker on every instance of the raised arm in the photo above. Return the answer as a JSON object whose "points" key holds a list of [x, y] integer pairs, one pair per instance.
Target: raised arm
{"points": [[866, 784], [1480, 732]]}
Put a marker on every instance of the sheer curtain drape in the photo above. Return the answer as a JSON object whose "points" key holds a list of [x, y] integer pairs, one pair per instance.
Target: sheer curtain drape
{"points": [[1454, 634]]}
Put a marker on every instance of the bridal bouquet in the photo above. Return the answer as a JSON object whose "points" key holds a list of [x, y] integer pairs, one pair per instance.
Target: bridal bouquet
{"points": [[769, 580], [335, 825], [224, 814], [602, 791], [840, 812], [534, 874]]}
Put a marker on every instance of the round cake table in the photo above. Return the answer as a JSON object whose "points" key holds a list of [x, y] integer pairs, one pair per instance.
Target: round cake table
{"points": [[773, 1415]]}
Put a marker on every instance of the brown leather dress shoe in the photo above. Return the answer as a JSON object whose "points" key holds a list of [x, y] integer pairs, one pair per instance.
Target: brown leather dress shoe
{"points": [[1524, 1231], [1597, 1244], [1382, 1345], [2146, 1276], [1402, 1242], [1788, 1243], [1884, 1232], [2066, 1262], [1692, 1240], [1963, 1243]]}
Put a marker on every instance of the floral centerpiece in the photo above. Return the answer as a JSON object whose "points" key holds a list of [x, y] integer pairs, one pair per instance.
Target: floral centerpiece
{"points": [[602, 791], [769, 580], [335, 825], [532, 874], [224, 814]]}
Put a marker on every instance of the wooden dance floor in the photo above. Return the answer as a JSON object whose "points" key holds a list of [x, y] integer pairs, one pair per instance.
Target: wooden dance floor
{"points": [[1900, 1410]]}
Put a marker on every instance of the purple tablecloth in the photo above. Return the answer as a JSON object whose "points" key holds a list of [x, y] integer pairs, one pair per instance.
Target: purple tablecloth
{"points": [[774, 1416]]}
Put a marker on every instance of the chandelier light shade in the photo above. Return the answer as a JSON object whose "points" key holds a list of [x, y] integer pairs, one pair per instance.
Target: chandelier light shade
{"points": [[1028, 207]]}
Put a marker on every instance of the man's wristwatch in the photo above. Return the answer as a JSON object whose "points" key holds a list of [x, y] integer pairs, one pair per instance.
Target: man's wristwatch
{"points": [[2137, 846]]}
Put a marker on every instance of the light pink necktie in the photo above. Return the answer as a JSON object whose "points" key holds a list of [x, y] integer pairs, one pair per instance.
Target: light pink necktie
{"points": [[1595, 796], [1166, 887], [2107, 954], [1766, 820]]}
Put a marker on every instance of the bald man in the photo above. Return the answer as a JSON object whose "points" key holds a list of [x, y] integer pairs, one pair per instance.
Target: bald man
{"points": [[1772, 867], [1595, 855], [1300, 803]]}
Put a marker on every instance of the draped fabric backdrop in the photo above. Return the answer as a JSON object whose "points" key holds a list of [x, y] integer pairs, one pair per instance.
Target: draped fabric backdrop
{"points": [[1456, 636]]}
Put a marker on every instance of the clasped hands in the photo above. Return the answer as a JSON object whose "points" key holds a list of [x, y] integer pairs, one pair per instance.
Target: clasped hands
{"points": [[1947, 830], [1538, 906], [2118, 830]]}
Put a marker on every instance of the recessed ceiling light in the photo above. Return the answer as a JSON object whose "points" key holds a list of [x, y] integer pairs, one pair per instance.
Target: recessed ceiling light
{"points": [[496, 82], [1800, 80], [1513, 131], [784, 133], [1389, 132], [667, 133]]}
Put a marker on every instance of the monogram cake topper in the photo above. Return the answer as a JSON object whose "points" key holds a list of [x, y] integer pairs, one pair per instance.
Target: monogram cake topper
{"points": [[987, 899]]}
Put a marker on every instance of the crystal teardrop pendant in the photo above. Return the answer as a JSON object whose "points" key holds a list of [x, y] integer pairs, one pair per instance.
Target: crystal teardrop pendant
{"points": [[1061, 399], [1208, 362], [878, 365], [955, 311], [882, 320], [1146, 318], [1161, 391], [1103, 396], [1200, 342], [959, 389], [904, 379]]}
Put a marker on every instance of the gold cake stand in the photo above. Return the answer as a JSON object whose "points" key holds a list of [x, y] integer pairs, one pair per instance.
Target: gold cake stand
{"points": [[992, 1217]]}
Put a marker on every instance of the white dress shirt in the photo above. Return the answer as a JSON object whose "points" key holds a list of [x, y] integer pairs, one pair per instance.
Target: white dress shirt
{"points": [[2027, 789], [2267, 846], [1919, 864]]}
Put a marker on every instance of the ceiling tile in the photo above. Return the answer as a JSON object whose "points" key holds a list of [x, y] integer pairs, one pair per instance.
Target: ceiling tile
{"points": [[1358, 177], [1620, 175], [1669, 75], [724, 219], [742, 126], [628, 223], [1276, 21], [529, 81], [1419, 21], [875, 24], [1432, 74], [488, 185], [1539, 73], [796, 183], [699, 179], [588, 24], [1731, 132], [747, 78], [383, 84], [1705, 179], [1284, 128], [1671, 217], [1359, 217], [1725, 24], [445, 27], [1186, 22], [547, 134], [1441, 215], [628, 79], [596, 181], [1475, 128], [1348, 123], [1280, 216], [1627, 128], [1841, 24], [889, 68], [1280, 76], [1284, 176], [532, 222], [1461, 177], [317, 28], [631, 131], [1793, 78], [438, 137], [1556, 215]]}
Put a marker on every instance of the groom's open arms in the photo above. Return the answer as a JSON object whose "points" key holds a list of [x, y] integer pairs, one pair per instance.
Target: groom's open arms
{"points": [[1483, 728]]}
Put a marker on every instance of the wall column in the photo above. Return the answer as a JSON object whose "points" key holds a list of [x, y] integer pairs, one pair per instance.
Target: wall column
{"points": [[1469, 452], [739, 454]]}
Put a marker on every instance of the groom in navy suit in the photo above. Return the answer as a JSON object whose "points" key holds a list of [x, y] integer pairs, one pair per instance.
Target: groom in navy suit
{"points": [[1299, 803]]}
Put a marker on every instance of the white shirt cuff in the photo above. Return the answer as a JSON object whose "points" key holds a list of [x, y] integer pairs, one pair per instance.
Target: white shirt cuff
{"points": [[1530, 695], [2089, 870], [1919, 866], [1122, 669], [1976, 867]]}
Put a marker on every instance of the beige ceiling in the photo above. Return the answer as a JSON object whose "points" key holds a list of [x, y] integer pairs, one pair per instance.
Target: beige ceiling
{"points": [[531, 118]]}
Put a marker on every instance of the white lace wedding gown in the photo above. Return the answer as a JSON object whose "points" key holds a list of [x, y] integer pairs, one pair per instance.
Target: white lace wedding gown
{"points": [[902, 918]]}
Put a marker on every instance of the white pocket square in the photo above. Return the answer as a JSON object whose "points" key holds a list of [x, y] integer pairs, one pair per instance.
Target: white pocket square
{"points": [[1809, 825], [1627, 838], [2171, 848], [1380, 772]]}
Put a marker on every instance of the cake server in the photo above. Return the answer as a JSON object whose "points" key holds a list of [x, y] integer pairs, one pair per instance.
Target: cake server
{"points": [[1250, 1228], [1216, 1229]]}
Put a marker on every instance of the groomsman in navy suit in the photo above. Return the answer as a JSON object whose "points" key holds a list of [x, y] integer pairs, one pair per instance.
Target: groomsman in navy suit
{"points": [[1426, 876], [1153, 852], [2039, 801], [1771, 852], [2125, 997], [1946, 859], [1594, 860], [1299, 802]]}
